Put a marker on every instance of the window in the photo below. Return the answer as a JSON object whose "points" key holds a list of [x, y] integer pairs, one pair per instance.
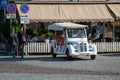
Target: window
{"points": [[76, 33]]}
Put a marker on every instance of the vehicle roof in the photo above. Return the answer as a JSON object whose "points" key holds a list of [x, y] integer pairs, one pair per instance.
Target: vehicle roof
{"points": [[61, 26]]}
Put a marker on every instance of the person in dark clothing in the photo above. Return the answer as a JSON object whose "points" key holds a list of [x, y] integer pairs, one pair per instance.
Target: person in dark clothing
{"points": [[22, 41], [1, 37], [13, 39]]}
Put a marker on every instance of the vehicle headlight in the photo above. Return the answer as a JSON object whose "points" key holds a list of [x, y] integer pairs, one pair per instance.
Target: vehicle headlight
{"points": [[91, 48], [73, 44]]}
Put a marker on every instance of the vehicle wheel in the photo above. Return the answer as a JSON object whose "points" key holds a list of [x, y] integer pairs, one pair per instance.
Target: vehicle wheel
{"points": [[68, 55], [53, 54], [93, 57]]}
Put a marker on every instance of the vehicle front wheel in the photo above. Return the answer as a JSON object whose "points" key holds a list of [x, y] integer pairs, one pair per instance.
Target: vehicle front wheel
{"points": [[68, 55], [53, 55], [93, 57]]}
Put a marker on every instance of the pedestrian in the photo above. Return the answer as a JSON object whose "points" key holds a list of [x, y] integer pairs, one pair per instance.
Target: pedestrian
{"points": [[22, 41], [47, 39], [34, 38], [1, 37], [13, 39]]}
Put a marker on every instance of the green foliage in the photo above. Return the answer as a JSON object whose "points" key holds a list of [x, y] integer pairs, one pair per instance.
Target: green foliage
{"points": [[110, 24], [16, 26], [42, 31], [35, 33], [50, 34], [29, 31]]}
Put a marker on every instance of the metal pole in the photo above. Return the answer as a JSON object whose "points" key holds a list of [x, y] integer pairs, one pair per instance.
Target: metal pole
{"points": [[90, 31], [4, 15], [10, 23], [113, 30], [25, 28]]}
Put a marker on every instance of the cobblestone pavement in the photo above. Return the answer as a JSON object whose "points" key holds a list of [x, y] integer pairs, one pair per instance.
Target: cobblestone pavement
{"points": [[44, 67]]}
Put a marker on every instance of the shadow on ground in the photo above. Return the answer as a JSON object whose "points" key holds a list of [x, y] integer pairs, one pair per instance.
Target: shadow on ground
{"points": [[5, 56], [111, 54]]}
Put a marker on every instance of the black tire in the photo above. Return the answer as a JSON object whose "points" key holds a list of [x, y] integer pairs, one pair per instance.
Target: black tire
{"points": [[52, 52], [68, 55], [93, 57], [53, 55]]}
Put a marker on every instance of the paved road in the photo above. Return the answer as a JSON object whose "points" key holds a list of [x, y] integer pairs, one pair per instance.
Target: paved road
{"points": [[44, 67]]}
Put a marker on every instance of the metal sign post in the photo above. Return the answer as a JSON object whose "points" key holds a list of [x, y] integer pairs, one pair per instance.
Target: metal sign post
{"points": [[24, 25], [10, 24], [24, 18], [4, 15], [11, 9], [3, 4]]}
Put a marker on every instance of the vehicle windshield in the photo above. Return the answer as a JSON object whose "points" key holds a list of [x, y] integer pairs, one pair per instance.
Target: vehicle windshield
{"points": [[76, 33]]}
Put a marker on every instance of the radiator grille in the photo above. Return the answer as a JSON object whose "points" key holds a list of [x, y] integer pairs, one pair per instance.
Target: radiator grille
{"points": [[83, 47]]}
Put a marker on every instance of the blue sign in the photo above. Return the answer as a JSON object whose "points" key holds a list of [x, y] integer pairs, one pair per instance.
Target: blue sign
{"points": [[2, 7], [11, 8], [3, 4], [24, 8]]}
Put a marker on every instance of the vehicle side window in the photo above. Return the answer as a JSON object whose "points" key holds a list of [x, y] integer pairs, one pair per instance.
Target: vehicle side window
{"points": [[69, 33]]}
